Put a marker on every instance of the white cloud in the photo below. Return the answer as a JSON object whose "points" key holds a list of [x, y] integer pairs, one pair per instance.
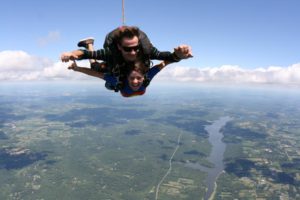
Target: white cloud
{"points": [[52, 36], [20, 60], [19, 65], [234, 74]]}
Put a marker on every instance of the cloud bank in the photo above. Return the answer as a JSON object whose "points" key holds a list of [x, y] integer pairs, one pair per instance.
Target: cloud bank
{"points": [[20, 66], [235, 74]]}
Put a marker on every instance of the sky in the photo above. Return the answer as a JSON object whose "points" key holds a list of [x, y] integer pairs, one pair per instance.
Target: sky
{"points": [[232, 40]]}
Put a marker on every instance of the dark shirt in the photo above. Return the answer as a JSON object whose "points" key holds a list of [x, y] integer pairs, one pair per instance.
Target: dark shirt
{"points": [[113, 59]]}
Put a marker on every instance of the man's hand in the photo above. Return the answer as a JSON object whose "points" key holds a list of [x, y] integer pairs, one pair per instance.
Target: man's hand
{"points": [[67, 56], [183, 51]]}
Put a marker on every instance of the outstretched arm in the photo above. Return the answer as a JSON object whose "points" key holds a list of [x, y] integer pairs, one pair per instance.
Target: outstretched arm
{"points": [[180, 52], [101, 54], [85, 70], [73, 55]]}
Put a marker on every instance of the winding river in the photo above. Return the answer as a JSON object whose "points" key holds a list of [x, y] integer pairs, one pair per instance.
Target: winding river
{"points": [[216, 155]]}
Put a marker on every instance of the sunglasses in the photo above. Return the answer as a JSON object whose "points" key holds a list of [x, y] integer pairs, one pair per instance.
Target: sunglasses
{"points": [[129, 49]]}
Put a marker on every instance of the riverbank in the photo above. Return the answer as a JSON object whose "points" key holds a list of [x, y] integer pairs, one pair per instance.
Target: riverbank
{"points": [[212, 196]]}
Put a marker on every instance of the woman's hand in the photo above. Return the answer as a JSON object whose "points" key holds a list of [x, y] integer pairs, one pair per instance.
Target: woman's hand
{"points": [[73, 66]]}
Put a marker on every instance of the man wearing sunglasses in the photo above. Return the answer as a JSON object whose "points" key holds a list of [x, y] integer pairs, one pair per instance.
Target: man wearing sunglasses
{"points": [[126, 44]]}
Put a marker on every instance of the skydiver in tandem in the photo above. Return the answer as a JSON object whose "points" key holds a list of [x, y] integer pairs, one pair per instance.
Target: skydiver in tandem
{"points": [[126, 54]]}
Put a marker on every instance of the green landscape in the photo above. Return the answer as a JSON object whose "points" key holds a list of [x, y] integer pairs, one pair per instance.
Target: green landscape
{"points": [[82, 142]]}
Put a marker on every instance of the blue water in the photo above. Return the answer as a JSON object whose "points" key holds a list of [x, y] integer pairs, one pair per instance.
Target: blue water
{"points": [[216, 155]]}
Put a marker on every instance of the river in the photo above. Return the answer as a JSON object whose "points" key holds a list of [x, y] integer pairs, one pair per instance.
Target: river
{"points": [[216, 156]]}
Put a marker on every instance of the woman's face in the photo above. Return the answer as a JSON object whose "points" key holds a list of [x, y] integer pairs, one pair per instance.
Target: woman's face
{"points": [[135, 80]]}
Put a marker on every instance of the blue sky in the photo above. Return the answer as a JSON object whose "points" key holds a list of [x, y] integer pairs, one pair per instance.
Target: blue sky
{"points": [[250, 34]]}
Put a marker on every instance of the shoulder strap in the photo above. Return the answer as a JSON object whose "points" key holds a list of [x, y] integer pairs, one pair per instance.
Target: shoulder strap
{"points": [[146, 81], [145, 42]]}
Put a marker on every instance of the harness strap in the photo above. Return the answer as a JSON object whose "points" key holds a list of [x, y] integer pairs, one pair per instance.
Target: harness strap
{"points": [[146, 81], [116, 72]]}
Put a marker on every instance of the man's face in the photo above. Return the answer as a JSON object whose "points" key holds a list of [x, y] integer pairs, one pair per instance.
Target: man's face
{"points": [[129, 48]]}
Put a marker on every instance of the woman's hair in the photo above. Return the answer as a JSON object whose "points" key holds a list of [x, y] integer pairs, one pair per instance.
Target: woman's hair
{"points": [[138, 66], [126, 32]]}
